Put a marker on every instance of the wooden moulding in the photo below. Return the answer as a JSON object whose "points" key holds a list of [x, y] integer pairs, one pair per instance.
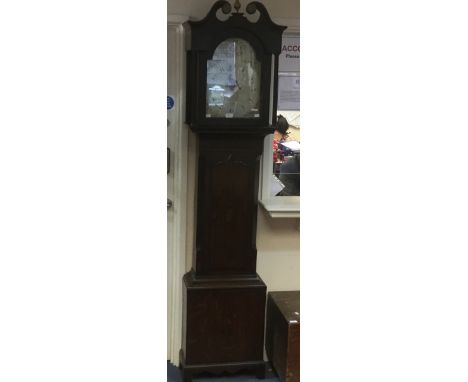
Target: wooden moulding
{"points": [[188, 371]]}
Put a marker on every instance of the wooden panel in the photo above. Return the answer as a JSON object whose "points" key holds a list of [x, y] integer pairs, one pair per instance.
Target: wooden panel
{"points": [[227, 205], [224, 324], [283, 334]]}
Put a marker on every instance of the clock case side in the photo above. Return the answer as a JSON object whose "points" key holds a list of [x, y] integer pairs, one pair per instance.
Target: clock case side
{"points": [[203, 37]]}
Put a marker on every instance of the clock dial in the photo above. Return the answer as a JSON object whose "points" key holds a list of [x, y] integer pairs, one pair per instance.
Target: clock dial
{"points": [[233, 81]]}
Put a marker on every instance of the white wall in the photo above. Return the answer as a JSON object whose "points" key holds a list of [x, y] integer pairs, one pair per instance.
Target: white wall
{"points": [[278, 252], [198, 9]]}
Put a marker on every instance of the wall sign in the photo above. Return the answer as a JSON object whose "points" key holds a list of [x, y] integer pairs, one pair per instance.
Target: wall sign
{"points": [[289, 92], [290, 55], [289, 74], [170, 102]]}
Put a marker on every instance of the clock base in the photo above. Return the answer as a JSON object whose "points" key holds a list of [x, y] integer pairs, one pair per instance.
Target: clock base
{"points": [[223, 324], [188, 371]]}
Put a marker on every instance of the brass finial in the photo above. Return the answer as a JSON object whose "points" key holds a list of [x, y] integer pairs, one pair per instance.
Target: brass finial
{"points": [[237, 6]]}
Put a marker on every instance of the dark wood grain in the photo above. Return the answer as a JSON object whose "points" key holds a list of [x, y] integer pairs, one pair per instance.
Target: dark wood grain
{"points": [[228, 174], [224, 320], [283, 334], [223, 325], [223, 297]]}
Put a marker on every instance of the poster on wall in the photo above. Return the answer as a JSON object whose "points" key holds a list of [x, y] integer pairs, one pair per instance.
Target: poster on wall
{"points": [[288, 92], [290, 55]]}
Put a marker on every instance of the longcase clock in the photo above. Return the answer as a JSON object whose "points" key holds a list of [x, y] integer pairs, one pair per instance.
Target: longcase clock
{"points": [[232, 66]]}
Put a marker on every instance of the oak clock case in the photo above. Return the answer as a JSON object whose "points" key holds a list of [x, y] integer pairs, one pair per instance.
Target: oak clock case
{"points": [[229, 81]]}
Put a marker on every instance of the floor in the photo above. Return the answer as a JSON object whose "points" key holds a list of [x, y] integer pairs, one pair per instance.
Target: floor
{"points": [[174, 375]]}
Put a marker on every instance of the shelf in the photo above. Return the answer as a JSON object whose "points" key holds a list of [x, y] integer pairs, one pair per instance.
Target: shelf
{"points": [[282, 206]]}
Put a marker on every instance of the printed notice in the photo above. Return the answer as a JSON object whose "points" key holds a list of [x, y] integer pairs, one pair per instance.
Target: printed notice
{"points": [[289, 59], [289, 93]]}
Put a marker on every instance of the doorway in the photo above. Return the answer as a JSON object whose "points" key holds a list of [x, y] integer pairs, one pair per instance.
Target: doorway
{"points": [[176, 188]]}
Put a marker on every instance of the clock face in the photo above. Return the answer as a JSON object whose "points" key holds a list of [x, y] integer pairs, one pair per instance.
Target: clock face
{"points": [[233, 81]]}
